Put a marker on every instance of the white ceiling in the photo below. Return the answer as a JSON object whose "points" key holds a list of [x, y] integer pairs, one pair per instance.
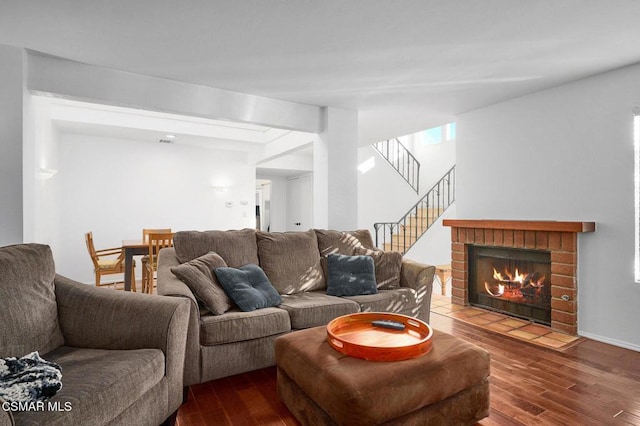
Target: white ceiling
{"points": [[404, 65]]}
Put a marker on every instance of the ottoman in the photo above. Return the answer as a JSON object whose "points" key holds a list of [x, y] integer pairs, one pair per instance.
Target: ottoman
{"points": [[321, 386]]}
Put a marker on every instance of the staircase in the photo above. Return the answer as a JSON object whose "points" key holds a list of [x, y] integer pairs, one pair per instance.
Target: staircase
{"points": [[402, 160], [403, 234]]}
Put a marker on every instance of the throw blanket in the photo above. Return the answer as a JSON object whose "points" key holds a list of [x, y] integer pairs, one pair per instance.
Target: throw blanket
{"points": [[29, 378]]}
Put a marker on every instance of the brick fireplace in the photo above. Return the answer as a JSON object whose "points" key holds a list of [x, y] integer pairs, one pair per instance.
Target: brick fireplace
{"points": [[559, 239]]}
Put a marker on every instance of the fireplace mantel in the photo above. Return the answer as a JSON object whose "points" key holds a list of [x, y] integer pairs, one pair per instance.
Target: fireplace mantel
{"points": [[522, 225], [557, 237]]}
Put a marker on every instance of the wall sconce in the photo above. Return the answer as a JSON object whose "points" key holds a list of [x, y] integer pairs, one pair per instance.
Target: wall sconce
{"points": [[47, 173]]}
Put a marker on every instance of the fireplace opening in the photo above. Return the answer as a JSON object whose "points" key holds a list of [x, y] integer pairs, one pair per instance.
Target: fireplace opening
{"points": [[512, 281]]}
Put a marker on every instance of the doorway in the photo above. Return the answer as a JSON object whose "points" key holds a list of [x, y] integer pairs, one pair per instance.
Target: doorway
{"points": [[263, 204], [300, 202]]}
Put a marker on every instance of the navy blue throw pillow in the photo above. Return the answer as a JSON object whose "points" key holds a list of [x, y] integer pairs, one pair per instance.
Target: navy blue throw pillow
{"points": [[248, 286], [350, 275]]}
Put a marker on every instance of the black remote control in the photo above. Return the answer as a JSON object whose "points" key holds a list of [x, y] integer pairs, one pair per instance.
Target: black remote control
{"points": [[393, 325]]}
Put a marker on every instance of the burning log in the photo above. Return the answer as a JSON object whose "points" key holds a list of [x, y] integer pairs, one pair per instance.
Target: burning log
{"points": [[515, 285]]}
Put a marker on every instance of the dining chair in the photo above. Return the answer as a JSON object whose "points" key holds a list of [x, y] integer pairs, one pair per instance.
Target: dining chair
{"points": [[157, 241], [108, 261], [145, 239], [147, 231]]}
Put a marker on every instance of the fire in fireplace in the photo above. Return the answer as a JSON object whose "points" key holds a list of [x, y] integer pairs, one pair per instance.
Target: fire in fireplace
{"points": [[511, 281]]}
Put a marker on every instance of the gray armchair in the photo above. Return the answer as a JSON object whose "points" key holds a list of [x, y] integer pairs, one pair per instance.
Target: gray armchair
{"points": [[122, 354]]}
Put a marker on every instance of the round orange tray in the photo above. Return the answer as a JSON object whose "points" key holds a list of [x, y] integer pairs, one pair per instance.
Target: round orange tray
{"points": [[354, 335]]}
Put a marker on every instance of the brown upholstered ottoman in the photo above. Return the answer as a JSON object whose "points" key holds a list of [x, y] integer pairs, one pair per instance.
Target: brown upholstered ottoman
{"points": [[320, 386]]}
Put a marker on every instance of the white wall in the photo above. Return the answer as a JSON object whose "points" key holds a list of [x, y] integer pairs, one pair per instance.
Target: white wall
{"points": [[383, 195], [435, 161], [565, 154], [11, 131], [297, 162], [42, 199], [434, 248], [335, 178], [117, 187]]}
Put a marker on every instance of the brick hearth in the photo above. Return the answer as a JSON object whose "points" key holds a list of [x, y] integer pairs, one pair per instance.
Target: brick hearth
{"points": [[559, 238]]}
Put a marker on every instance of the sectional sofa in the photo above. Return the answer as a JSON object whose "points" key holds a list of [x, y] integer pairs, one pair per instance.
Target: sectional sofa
{"points": [[222, 340]]}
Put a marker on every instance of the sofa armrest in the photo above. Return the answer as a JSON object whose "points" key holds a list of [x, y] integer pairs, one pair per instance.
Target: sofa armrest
{"points": [[170, 285], [104, 319], [99, 318], [419, 277]]}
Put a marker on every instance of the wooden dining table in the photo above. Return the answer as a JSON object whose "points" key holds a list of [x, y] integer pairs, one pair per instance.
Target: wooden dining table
{"points": [[132, 248]]}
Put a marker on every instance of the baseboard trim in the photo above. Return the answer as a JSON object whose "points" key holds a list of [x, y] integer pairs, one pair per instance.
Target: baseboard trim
{"points": [[610, 341]]}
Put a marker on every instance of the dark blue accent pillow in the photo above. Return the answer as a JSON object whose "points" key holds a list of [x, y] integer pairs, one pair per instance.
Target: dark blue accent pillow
{"points": [[248, 286], [350, 275]]}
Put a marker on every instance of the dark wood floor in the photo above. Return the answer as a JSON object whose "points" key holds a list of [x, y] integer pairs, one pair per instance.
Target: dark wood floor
{"points": [[590, 384]]}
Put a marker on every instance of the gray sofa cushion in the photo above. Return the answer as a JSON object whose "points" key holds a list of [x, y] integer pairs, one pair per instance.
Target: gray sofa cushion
{"points": [[238, 326], [98, 384], [198, 275], [311, 309], [291, 261], [236, 247], [237, 357], [400, 301], [388, 265], [30, 322], [248, 286], [342, 242]]}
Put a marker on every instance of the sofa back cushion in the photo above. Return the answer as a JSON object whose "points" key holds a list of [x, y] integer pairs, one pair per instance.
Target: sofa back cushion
{"points": [[291, 261], [29, 314], [237, 247], [388, 266], [342, 242]]}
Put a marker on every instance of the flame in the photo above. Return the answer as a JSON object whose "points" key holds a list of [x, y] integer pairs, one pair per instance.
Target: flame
{"points": [[519, 278], [516, 277], [513, 283], [500, 291], [539, 282]]}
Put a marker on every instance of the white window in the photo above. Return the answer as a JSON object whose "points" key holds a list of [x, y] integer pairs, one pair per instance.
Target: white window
{"points": [[432, 136], [438, 134], [450, 130]]}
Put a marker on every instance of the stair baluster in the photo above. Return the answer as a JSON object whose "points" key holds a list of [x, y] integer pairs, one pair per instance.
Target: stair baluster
{"points": [[402, 160], [403, 234]]}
